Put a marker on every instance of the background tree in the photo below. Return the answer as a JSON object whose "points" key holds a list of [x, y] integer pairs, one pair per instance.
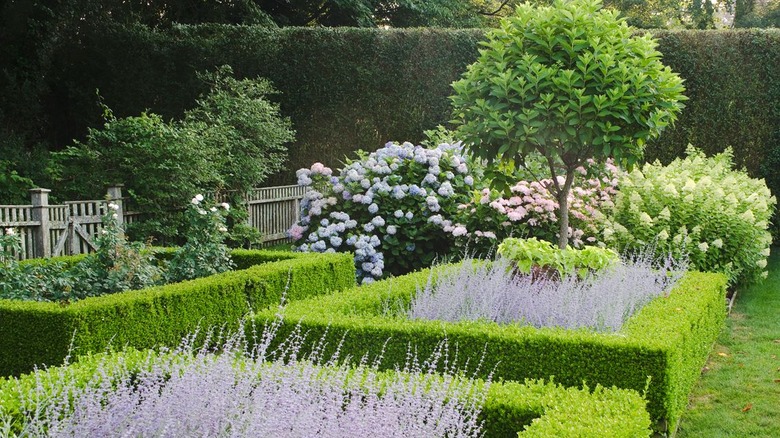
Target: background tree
{"points": [[568, 82]]}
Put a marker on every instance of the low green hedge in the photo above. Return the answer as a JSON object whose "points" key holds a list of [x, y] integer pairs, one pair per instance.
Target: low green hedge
{"points": [[534, 408], [38, 333], [667, 342]]}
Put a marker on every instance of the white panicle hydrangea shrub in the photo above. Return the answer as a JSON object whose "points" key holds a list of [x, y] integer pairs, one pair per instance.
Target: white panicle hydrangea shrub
{"points": [[700, 207], [237, 394], [393, 207], [496, 292]]}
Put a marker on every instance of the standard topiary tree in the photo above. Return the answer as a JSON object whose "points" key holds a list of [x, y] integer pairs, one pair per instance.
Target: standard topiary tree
{"points": [[568, 82]]}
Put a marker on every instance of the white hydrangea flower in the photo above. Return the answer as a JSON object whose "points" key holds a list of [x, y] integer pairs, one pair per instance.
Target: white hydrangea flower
{"points": [[717, 243], [761, 263], [663, 235], [703, 247]]}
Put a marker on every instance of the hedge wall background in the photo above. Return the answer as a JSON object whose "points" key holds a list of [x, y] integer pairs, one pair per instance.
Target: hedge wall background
{"points": [[349, 88]]}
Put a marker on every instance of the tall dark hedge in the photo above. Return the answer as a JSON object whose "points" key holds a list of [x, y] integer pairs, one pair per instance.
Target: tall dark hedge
{"points": [[347, 88]]}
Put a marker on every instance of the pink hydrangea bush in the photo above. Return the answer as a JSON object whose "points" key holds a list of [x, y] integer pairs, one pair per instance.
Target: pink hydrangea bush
{"points": [[531, 210]]}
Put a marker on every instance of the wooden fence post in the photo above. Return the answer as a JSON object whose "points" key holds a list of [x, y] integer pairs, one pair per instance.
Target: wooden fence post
{"points": [[114, 194], [40, 214]]}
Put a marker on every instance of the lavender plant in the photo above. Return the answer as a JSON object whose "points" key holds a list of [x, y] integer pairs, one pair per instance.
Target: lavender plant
{"points": [[255, 393], [602, 301]]}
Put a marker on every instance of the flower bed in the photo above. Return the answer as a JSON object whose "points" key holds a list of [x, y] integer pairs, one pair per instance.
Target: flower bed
{"points": [[197, 394], [41, 333], [661, 348]]}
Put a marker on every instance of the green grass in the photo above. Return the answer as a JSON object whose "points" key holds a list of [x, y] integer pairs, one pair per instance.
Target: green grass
{"points": [[738, 394], [283, 246]]}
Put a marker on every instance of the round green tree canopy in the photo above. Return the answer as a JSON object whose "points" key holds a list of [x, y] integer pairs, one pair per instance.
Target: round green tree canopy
{"points": [[569, 81]]}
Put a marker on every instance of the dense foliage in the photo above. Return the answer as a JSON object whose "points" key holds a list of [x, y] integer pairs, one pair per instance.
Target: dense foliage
{"points": [[232, 140], [528, 255], [568, 82], [669, 339], [118, 265], [342, 88], [700, 207]]}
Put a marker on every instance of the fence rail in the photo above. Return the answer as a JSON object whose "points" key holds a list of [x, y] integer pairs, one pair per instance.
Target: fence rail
{"points": [[67, 229]]}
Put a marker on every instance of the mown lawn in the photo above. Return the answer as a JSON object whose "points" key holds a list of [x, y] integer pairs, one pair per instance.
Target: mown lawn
{"points": [[738, 394]]}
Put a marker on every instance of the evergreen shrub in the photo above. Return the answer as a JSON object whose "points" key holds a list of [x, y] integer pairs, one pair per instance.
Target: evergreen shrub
{"points": [[668, 340], [533, 408], [41, 333]]}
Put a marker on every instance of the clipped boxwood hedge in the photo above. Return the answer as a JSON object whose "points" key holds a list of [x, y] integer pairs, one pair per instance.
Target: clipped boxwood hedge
{"points": [[533, 408], [668, 341], [43, 333]]}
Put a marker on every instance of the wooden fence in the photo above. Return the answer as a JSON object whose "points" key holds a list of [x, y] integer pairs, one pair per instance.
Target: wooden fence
{"points": [[68, 229]]}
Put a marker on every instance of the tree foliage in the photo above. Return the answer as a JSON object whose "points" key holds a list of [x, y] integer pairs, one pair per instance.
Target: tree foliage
{"points": [[568, 82], [232, 140]]}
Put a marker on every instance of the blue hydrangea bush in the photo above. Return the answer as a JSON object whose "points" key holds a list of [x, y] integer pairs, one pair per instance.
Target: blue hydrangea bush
{"points": [[393, 207]]}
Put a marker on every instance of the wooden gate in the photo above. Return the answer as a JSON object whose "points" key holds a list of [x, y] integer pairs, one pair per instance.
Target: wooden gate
{"points": [[273, 210], [73, 225]]}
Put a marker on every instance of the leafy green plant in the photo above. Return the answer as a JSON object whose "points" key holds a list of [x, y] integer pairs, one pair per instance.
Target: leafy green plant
{"points": [[116, 265], [531, 254], [697, 206], [242, 128], [233, 139], [205, 252], [568, 82]]}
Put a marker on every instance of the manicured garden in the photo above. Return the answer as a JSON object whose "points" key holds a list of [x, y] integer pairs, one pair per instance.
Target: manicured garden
{"points": [[522, 274]]}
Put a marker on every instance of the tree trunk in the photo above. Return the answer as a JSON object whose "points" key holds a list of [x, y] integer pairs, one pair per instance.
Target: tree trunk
{"points": [[563, 207]]}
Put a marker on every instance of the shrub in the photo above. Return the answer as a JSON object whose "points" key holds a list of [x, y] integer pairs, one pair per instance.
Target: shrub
{"points": [[392, 207], [332, 393], [700, 207], [601, 301], [44, 333], [568, 82], [242, 128], [530, 254], [232, 140], [531, 209], [669, 339], [204, 252], [116, 265]]}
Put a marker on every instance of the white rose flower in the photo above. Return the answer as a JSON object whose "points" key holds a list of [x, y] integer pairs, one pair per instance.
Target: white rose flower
{"points": [[10, 232], [225, 205], [199, 197]]}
